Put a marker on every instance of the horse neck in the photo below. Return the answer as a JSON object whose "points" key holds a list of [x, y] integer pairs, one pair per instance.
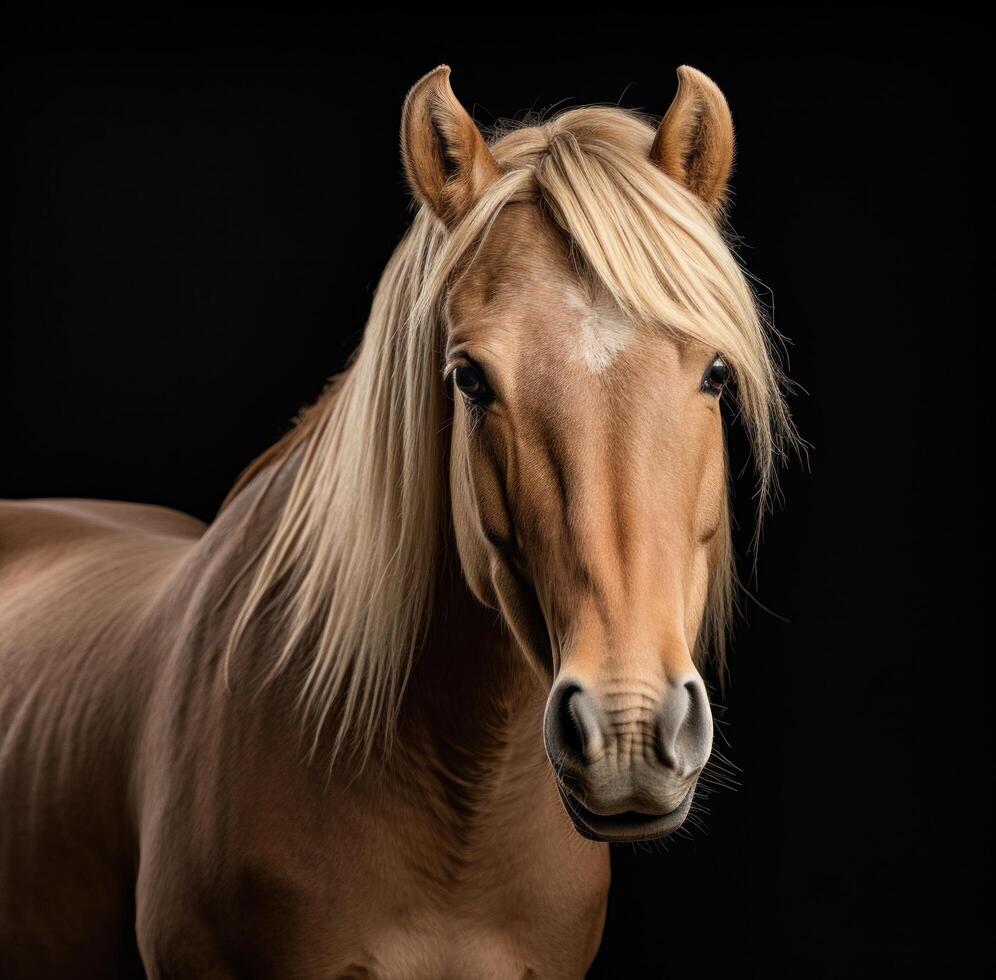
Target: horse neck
{"points": [[471, 698], [472, 694]]}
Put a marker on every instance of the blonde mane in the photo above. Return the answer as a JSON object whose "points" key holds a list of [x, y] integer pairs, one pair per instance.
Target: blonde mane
{"points": [[350, 565]]}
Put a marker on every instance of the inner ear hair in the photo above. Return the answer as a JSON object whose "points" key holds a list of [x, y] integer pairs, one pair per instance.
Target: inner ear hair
{"points": [[447, 162], [695, 143]]}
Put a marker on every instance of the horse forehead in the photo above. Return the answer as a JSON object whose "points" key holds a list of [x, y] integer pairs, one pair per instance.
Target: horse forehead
{"points": [[522, 259], [523, 296], [540, 323], [528, 298]]}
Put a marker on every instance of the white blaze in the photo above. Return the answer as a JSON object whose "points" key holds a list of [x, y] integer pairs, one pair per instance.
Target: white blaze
{"points": [[603, 332]]}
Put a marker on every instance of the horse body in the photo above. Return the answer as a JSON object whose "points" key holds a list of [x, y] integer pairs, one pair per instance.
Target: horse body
{"points": [[170, 799], [78, 582], [443, 641]]}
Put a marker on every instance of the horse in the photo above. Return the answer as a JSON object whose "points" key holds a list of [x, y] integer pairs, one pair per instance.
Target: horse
{"points": [[446, 640]]}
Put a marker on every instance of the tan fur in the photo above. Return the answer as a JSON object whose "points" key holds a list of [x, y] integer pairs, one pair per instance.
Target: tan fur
{"points": [[595, 556], [446, 160], [186, 711], [695, 143]]}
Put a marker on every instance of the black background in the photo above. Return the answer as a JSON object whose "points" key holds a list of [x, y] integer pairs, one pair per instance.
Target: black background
{"points": [[196, 210]]}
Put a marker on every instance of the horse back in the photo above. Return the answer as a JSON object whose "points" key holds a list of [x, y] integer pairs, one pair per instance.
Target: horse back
{"points": [[78, 581]]}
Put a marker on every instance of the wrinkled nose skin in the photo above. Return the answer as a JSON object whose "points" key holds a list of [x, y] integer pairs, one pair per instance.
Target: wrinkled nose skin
{"points": [[627, 759]]}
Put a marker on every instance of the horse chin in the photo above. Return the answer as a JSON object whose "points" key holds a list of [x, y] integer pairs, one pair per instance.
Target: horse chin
{"points": [[629, 826]]}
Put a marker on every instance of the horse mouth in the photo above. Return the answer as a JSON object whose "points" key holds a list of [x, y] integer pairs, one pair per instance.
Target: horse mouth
{"points": [[630, 825]]}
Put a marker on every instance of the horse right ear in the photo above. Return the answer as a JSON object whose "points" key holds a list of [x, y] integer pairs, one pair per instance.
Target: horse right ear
{"points": [[447, 162]]}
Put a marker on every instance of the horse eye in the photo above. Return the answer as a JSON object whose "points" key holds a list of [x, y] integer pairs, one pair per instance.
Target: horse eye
{"points": [[716, 377], [471, 383]]}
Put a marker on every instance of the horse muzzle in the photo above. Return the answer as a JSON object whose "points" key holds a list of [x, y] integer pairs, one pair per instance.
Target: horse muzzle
{"points": [[627, 761]]}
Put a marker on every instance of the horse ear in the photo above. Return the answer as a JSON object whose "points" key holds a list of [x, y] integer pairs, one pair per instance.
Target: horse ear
{"points": [[695, 142], [447, 162]]}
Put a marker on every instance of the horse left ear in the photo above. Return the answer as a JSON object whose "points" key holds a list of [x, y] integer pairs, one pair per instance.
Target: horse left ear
{"points": [[695, 142], [447, 162]]}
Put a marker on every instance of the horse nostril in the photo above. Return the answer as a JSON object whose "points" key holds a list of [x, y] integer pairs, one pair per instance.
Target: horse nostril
{"points": [[698, 703], [684, 734], [585, 735], [575, 731]]}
